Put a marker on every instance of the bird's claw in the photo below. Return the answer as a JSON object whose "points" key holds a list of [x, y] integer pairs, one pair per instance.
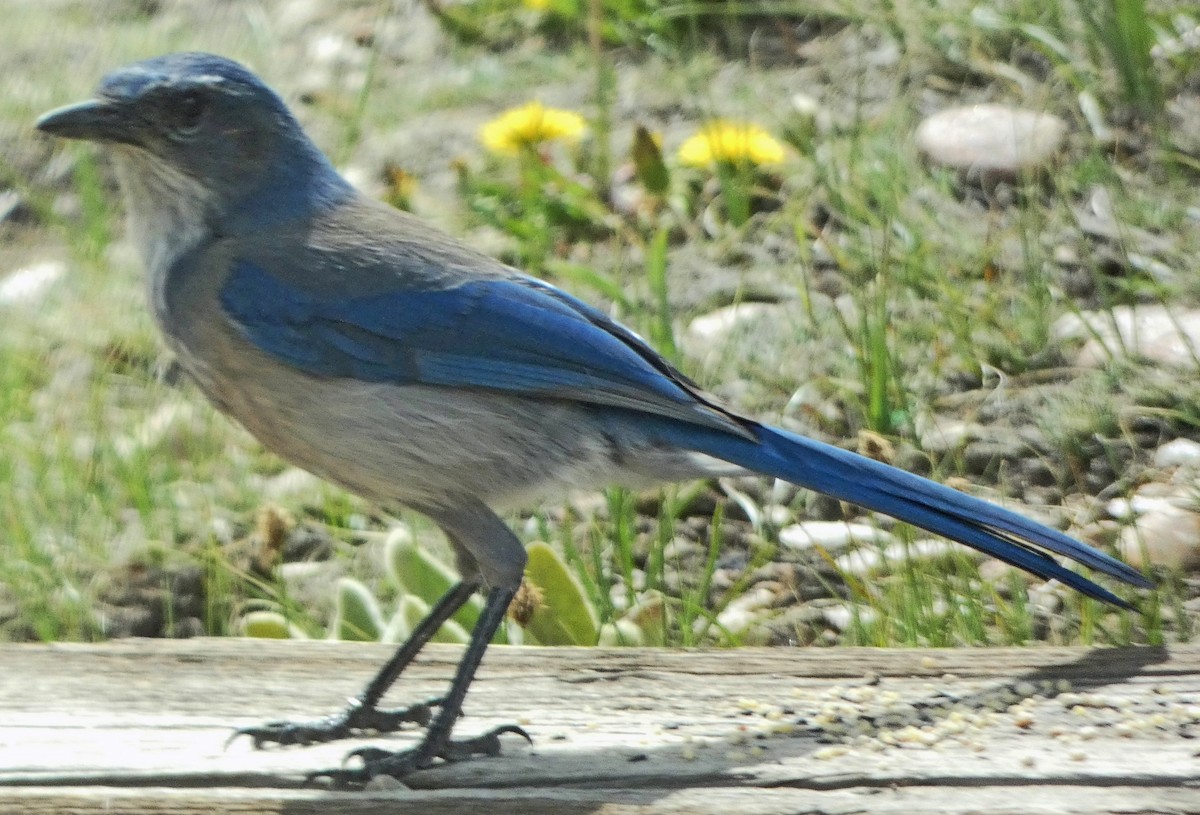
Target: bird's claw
{"points": [[485, 744], [355, 720], [377, 762]]}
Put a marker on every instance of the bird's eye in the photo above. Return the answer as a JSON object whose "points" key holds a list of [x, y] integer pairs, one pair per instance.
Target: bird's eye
{"points": [[186, 112]]}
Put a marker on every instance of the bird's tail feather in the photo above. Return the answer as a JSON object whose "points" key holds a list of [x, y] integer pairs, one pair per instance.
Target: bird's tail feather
{"points": [[847, 476]]}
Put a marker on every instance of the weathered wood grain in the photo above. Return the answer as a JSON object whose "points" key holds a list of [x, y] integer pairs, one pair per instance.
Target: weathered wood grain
{"points": [[140, 726]]}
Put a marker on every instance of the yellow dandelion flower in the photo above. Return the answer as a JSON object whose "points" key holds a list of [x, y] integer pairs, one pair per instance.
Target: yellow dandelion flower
{"points": [[734, 142], [530, 125], [536, 5]]}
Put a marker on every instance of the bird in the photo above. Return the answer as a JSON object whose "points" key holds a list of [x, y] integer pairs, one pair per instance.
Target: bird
{"points": [[365, 345]]}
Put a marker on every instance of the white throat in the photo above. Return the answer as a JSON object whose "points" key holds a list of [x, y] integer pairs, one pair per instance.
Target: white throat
{"points": [[168, 211]]}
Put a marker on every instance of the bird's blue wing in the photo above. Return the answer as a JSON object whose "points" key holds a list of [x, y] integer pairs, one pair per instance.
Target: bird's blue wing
{"points": [[512, 334]]}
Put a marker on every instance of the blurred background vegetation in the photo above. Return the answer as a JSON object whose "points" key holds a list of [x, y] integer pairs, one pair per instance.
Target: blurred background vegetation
{"points": [[738, 181]]}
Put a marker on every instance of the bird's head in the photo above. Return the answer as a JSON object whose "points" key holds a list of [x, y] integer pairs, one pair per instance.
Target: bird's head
{"points": [[192, 124]]}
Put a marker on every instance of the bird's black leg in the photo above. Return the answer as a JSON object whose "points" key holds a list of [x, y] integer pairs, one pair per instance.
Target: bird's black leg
{"points": [[363, 714], [437, 742]]}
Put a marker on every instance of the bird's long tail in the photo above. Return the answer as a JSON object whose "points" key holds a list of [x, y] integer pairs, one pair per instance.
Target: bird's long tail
{"points": [[850, 477]]}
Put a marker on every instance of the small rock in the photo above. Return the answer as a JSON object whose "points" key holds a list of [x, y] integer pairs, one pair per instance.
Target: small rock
{"points": [[1168, 536], [1099, 533], [385, 783], [680, 548], [997, 574], [983, 455], [289, 483], [806, 105], [1153, 332], [833, 535], [809, 110], [309, 583], [141, 598], [174, 423], [865, 562], [30, 283], [715, 325], [1177, 452], [307, 543], [991, 139], [776, 514], [743, 611], [943, 434], [794, 626], [295, 16], [1153, 268], [331, 48], [1149, 498], [843, 616], [1046, 598]]}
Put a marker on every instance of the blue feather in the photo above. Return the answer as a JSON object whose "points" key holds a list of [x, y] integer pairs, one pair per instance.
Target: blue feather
{"points": [[508, 334], [847, 476]]}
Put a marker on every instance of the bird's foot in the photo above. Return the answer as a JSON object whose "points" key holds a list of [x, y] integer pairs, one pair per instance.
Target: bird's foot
{"points": [[355, 720], [377, 762]]}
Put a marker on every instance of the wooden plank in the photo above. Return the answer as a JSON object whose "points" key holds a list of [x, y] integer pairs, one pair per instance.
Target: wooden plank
{"points": [[140, 726]]}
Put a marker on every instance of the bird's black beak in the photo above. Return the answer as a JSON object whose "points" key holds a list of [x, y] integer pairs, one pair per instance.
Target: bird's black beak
{"points": [[94, 120]]}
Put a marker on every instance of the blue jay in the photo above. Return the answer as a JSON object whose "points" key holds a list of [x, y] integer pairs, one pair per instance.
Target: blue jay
{"points": [[362, 344]]}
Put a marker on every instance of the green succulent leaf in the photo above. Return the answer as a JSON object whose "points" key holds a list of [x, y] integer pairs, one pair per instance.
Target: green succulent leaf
{"points": [[419, 573], [566, 615], [357, 616], [268, 625]]}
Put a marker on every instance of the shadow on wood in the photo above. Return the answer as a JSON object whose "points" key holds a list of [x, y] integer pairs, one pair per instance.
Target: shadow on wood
{"points": [[140, 727]]}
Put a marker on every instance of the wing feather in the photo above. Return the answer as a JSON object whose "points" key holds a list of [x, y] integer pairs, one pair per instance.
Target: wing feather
{"points": [[509, 334]]}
